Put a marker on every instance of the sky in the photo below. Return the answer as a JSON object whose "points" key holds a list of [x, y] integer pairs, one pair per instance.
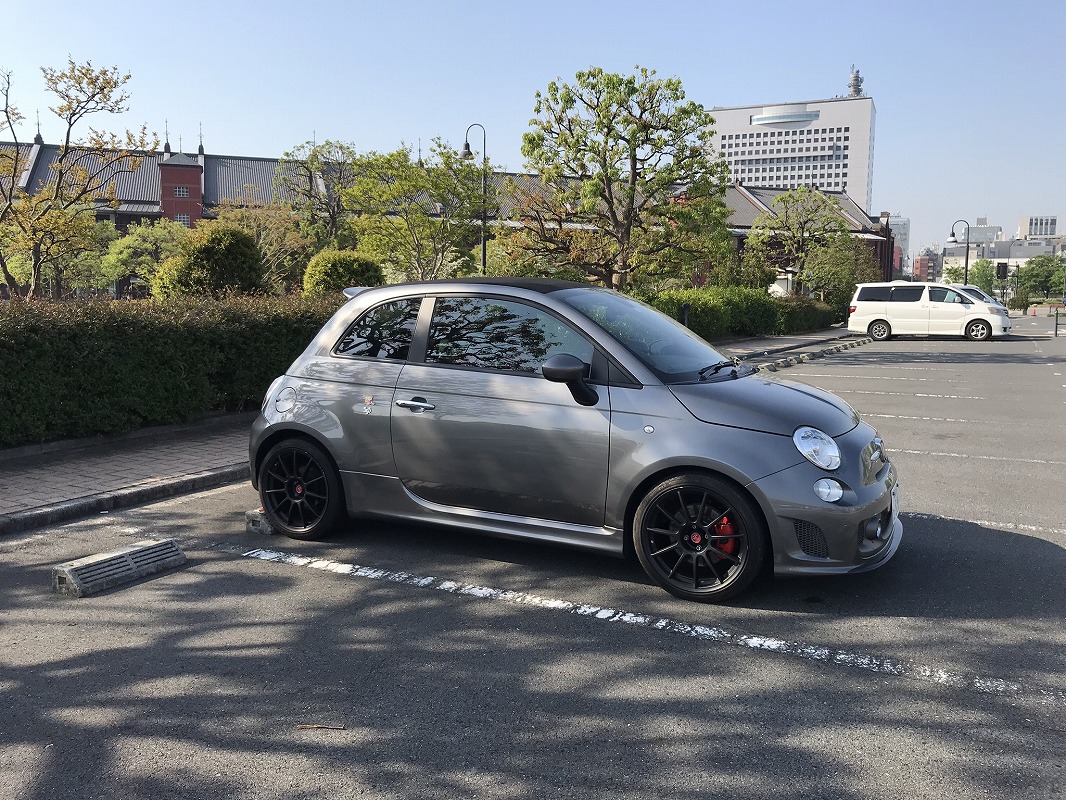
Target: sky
{"points": [[968, 95]]}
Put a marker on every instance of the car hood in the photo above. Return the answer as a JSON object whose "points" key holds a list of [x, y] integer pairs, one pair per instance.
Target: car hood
{"points": [[766, 404]]}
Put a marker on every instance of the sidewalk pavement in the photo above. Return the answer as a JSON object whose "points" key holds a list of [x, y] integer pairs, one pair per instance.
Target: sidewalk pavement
{"points": [[48, 484]]}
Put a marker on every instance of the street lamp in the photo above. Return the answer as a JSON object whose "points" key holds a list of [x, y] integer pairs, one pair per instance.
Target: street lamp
{"points": [[468, 154], [1017, 273], [966, 261]]}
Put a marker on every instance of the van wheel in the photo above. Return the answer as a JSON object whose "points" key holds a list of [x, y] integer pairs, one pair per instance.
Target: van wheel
{"points": [[978, 330], [879, 330]]}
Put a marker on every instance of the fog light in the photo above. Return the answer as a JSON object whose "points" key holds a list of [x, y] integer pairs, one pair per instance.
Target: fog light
{"points": [[829, 490], [873, 530]]}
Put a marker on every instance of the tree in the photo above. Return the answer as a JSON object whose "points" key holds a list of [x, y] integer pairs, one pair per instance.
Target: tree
{"points": [[145, 246], [285, 248], [982, 275], [626, 180], [832, 270], [420, 218], [1042, 275], [56, 221], [800, 222], [314, 178], [217, 258]]}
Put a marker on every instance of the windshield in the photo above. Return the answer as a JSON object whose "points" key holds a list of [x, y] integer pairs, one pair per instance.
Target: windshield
{"points": [[976, 293], [669, 349]]}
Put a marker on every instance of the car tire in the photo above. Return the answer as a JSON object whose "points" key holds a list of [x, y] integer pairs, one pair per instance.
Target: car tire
{"points": [[699, 537], [879, 330], [300, 490], [978, 330]]}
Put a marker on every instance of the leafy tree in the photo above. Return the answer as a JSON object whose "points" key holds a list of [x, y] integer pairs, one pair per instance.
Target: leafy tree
{"points": [[285, 248], [832, 270], [216, 259], [510, 256], [336, 270], [56, 222], [420, 218], [626, 177], [982, 275], [1043, 275], [315, 178], [85, 271], [145, 246], [801, 221], [952, 274]]}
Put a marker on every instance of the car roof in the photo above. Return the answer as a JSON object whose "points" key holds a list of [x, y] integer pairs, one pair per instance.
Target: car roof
{"points": [[543, 285]]}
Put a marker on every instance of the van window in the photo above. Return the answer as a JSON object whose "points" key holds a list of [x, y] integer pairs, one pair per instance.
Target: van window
{"points": [[939, 295], [877, 293], [907, 294]]}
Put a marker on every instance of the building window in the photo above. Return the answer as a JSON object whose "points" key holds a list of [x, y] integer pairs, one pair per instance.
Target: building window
{"points": [[181, 191], [183, 219]]}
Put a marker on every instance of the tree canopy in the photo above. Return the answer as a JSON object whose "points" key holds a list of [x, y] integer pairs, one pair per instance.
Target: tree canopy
{"points": [[626, 177]]}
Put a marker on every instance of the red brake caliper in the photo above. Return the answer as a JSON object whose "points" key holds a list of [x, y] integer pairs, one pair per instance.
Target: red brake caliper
{"points": [[724, 527]]}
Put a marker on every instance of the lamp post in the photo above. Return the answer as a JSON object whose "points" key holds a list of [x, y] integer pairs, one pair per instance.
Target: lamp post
{"points": [[966, 261], [1017, 276], [468, 154]]}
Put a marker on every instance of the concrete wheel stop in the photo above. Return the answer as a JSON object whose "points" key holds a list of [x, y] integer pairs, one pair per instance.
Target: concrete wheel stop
{"points": [[92, 574]]}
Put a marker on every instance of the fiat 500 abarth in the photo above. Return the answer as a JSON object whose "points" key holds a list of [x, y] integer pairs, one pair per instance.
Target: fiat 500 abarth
{"points": [[562, 412]]}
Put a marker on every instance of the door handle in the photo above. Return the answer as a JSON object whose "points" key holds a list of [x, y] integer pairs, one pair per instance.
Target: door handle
{"points": [[416, 404]]}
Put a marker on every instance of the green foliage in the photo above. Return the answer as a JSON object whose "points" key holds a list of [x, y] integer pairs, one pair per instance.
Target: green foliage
{"points": [[801, 314], [983, 275], [218, 259], [1020, 300], [1043, 275], [145, 246], [314, 178], [715, 312], [332, 271], [610, 152], [832, 270], [106, 367]]}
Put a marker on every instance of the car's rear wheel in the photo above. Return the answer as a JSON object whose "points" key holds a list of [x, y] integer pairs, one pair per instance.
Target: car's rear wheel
{"points": [[300, 489], [879, 330], [978, 330], [699, 537]]}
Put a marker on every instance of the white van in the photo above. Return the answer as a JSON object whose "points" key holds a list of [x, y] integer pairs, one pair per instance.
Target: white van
{"points": [[908, 308]]}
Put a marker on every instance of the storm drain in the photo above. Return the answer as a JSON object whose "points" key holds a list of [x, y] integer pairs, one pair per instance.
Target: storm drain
{"points": [[92, 574]]}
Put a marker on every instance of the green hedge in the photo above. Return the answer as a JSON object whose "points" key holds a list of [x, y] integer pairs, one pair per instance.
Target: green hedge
{"points": [[726, 311], [71, 370]]}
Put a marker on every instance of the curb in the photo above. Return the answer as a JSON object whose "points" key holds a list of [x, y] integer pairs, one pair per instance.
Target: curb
{"points": [[68, 510], [773, 366]]}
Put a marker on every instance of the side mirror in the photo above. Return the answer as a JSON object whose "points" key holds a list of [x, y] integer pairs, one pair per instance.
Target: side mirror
{"points": [[568, 369]]}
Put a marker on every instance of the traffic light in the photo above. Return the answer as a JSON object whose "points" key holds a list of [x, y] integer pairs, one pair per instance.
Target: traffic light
{"points": [[1001, 270]]}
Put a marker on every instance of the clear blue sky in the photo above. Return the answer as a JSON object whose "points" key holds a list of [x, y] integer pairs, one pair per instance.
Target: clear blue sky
{"points": [[970, 112]]}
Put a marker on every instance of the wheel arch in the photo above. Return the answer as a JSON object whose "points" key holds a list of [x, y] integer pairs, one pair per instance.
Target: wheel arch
{"points": [[267, 442]]}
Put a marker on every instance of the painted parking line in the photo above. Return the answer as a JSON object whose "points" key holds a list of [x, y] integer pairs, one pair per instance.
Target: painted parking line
{"points": [[909, 394], [971, 456], [851, 376], [844, 658]]}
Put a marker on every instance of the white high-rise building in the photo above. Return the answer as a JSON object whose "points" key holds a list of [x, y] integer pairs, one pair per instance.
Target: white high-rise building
{"points": [[828, 143], [1035, 227]]}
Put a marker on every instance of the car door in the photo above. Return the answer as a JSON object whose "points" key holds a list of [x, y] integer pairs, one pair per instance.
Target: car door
{"points": [[477, 426], [948, 311], [908, 310]]}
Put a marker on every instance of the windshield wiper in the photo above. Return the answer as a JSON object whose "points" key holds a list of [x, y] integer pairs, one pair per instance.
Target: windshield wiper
{"points": [[714, 369]]}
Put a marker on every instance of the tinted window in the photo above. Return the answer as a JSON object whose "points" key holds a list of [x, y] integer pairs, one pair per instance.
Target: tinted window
{"points": [[382, 332], [907, 294], [499, 334], [939, 295], [879, 293]]}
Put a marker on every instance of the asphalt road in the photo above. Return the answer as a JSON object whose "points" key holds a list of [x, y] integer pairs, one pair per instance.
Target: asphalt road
{"points": [[441, 664]]}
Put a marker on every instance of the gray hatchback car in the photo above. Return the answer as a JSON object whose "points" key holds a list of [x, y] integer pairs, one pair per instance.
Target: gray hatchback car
{"points": [[571, 414]]}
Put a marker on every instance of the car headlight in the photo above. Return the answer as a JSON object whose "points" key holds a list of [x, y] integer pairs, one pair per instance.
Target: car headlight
{"points": [[817, 447]]}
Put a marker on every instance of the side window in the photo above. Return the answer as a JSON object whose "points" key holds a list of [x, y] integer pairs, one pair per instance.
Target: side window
{"points": [[384, 331], [907, 294], [495, 334], [877, 293], [938, 295]]}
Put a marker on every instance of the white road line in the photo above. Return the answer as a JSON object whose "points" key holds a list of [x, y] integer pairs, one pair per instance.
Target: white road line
{"points": [[1050, 462], [794, 373], [909, 394], [923, 419], [984, 523], [845, 658]]}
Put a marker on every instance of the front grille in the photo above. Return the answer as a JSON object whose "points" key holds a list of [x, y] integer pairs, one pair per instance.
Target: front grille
{"points": [[811, 539]]}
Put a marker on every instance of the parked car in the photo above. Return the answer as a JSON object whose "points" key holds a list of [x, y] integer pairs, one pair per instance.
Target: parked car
{"points": [[903, 308], [570, 414], [977, 293]]}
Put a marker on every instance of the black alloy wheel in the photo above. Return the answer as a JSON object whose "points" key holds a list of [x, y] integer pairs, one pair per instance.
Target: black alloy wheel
{"points": [[699, 537], [300, 490]]}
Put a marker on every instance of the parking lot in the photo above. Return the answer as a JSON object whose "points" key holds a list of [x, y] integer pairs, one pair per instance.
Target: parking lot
{"points": [[415, 662]]}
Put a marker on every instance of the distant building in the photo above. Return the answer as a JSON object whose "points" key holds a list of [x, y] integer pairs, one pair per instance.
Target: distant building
{"points": [[927, 265], [1036, 227], [901, 230], [824, 143]]}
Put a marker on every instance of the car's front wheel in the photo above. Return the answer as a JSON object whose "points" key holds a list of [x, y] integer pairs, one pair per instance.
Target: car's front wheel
{"points": [[300, 489], [699, 537], [978, 330]]}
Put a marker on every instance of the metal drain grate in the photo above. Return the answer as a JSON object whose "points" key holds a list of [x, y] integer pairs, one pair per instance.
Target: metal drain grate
{"points": [[92, 574]]}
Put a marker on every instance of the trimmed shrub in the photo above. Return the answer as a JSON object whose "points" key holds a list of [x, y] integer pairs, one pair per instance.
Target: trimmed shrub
{"points": [[219, 259], [80, 369], [801, 314], [332, 271]]}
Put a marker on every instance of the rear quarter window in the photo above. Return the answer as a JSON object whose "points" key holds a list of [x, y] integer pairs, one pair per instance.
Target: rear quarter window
{"points": [[875, 293]]}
